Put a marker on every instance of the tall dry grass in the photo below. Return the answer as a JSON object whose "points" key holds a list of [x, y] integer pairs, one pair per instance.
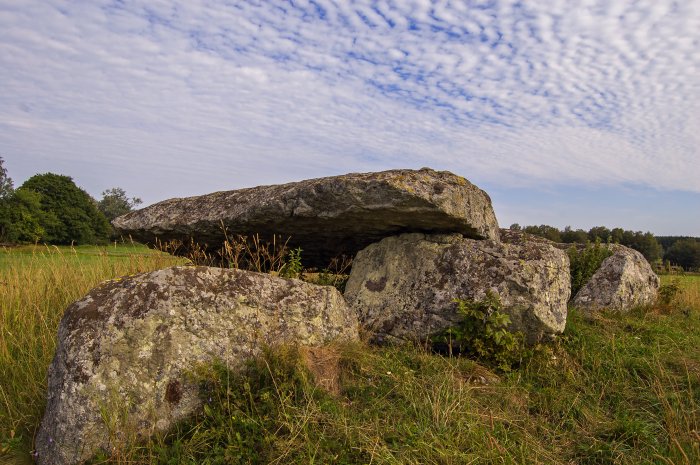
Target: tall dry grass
{"points": [[36, 285], [689, 295]]}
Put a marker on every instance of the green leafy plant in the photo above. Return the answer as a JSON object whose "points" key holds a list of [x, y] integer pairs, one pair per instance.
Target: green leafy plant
{"points": [[483, 332], [292, 267], [584, 263], [10, 442]]}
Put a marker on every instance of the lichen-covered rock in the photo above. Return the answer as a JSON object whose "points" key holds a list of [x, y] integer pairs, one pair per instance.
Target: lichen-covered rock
{"points": [[404, 287], [624, 280], [124, 350], [326, 217]]}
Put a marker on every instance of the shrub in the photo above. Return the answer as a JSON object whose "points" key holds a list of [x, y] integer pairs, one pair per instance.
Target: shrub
{"points": [[668, 293], [585, 263], [483, 333]]}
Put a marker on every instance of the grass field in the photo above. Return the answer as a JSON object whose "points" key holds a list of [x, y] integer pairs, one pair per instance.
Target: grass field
{"points": [[690, 287], [36, 285], [615, 389], [79, 256]]}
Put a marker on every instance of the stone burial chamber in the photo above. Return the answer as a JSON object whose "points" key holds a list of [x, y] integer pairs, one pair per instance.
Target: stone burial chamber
{"points": [[420, 239]]}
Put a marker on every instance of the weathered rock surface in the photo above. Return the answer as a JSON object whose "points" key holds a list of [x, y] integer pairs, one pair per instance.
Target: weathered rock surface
{"points": [[404, 287], [624, 280], [326, 217], [124, 348]]}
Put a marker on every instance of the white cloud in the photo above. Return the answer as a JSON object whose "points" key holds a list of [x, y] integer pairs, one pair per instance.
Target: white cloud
{"points": [[211, 95]]}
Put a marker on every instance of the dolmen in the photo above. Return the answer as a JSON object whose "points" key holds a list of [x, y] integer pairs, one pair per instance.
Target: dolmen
{"points": [[420, 239]]}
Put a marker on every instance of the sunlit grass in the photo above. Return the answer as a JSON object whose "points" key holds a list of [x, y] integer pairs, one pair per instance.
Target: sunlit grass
{"points": [[614, 389], [690, 286], [37, 283]]}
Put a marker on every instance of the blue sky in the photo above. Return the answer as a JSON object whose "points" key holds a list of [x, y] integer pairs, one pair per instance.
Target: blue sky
{"points": [[573, 113]]}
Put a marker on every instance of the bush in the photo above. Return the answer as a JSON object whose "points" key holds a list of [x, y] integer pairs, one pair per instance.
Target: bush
{"points": [[484, 333], [585, 263], [668, 294]]}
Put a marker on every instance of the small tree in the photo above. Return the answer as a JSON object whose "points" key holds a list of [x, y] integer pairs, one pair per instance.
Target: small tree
{"points": [[6, 187], [115, 203], [584, 263]]}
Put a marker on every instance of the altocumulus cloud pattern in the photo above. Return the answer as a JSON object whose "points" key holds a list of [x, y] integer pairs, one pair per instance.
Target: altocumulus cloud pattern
{"points": [[511, 92]]}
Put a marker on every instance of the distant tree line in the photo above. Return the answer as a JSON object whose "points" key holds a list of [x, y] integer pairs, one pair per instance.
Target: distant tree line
{"points": [[682, 251], [674, 250], [50, 208]]}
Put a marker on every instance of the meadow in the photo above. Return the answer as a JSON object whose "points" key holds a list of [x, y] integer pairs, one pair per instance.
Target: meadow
{"points": [[37, 283], [614, 389]]}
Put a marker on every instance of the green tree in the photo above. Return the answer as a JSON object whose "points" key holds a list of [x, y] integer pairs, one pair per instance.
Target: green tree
{"points": [[618, 235], [686, 253], [599, 232], [647, 245], [569, 236], [543, 230], [6, 187], [20, 217], [70, 215], [115, 203]]}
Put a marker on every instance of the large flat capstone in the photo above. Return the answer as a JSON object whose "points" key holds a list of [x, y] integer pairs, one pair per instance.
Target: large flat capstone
{"points": [[326, 217], [120, 369], [404, 287]]}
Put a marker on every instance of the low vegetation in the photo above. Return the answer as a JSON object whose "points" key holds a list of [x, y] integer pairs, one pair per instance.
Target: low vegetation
{"points": [[483, 334], [584, 262], [614, 389]]}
